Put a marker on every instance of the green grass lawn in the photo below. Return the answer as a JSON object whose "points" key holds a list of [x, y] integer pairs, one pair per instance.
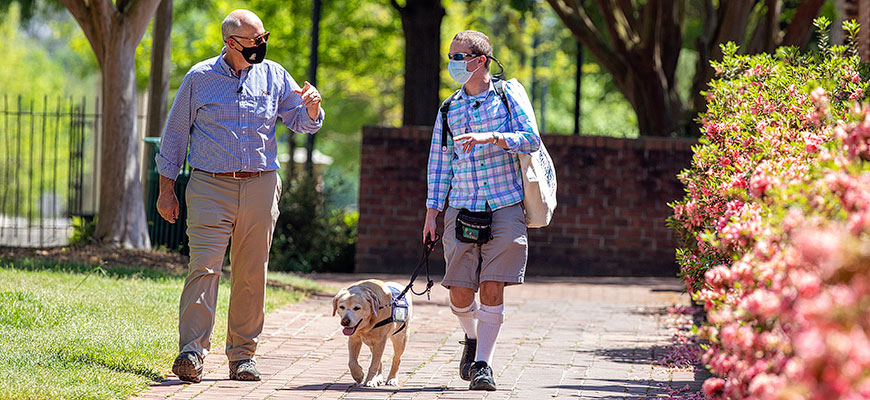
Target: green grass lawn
{"points": [[85, 332]]}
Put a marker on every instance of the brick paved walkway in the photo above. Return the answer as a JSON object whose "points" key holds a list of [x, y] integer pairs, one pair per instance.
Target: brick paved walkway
{"points": [[595, 338]]}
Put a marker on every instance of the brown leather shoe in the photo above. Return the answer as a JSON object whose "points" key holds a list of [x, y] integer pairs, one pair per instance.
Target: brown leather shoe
{"points": [[188, 367], [244, 370]]}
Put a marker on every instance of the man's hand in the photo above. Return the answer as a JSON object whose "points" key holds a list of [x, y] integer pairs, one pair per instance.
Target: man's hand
{"points": [[310, 99], [469, 140], [430, 225], [167, 203]]}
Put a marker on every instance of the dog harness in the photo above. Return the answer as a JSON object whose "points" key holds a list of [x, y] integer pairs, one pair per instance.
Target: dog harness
{"points": [[399, 302], [400, 310]]}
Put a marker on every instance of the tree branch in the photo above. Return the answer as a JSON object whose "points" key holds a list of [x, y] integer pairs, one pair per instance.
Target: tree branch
{"points": [[95, 19], [397, 6], [123, 5], [733, 18], [622, 37], [799, 29], [587, 34], [765, 35], [627, 8], [138, 16], [81, 13], [669, 39]]}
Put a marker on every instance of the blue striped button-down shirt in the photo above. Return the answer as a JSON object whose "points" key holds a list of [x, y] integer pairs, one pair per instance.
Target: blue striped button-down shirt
{"points": [[228, 121], [488, 174]]}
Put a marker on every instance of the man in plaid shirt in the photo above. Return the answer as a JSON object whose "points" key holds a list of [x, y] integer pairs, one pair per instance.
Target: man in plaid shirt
{"points": [[478, 166]]}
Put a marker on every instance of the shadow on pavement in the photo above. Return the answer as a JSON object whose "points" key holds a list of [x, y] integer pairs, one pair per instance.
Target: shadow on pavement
{"points": [[346, 387], [625, 389], [179, 382]]}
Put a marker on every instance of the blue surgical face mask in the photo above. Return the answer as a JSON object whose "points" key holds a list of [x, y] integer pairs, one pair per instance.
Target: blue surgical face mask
{"points": [[459, 71]]}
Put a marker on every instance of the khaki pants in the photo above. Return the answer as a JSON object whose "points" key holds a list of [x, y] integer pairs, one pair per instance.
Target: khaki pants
{"points": [[220, 208]]}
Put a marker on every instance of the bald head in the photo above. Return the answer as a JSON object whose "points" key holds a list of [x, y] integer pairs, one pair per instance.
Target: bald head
{"points": [[241, 23]]}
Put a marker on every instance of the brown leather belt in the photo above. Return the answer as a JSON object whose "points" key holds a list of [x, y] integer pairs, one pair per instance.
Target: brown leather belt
{"points": [[234, 174]]}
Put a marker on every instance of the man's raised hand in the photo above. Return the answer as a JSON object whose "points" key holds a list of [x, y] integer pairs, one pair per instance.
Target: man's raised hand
{"points": [[310, 99]]}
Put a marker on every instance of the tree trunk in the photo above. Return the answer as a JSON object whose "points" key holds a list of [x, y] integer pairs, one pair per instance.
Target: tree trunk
{"points": [[421, 23], [658, 107], [312, 76], [113, 31], [578, 93], [158, 83], [122, 211]]}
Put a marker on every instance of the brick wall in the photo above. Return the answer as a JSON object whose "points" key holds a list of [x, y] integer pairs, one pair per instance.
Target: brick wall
{"points": [[613, 196]]}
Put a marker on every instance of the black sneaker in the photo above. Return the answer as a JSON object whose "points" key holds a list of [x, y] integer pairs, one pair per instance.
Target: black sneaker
{"points": [[468, 354], [244, 370], [481, 377], [188, 367]]}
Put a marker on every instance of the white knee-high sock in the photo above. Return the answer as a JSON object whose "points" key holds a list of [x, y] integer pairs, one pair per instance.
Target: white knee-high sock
{"points": [[466, 318], [489, 320]]}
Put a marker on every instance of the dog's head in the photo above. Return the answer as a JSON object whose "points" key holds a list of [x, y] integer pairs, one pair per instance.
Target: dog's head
{"points": [[357, 305]]}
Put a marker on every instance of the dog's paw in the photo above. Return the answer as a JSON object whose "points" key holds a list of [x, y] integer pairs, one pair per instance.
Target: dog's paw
{"points": [[393, 382], [376, 381], [357, 373]]}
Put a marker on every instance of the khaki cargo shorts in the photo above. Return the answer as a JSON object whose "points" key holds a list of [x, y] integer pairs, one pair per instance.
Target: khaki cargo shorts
{"points": [[502, 259]]}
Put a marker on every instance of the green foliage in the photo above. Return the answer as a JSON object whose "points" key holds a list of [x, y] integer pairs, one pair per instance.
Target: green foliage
{"points": [[83, 231], [39, 65], [65, 334], [604, 110], [309, 236], [768, 118]]}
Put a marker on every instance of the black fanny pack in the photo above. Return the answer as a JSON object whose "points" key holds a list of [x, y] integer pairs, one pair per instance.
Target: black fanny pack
{"points": [[473, 227]]}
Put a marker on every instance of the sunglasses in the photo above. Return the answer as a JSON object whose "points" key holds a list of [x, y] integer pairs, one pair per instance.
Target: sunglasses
{"points": [[255, 41], [461, 56]]}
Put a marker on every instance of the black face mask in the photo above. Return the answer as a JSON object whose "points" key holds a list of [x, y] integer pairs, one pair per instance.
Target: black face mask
{"points": [[254, 55]]}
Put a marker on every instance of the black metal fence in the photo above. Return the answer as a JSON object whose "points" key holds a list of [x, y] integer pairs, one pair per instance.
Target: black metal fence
{"points": [[48, 168], [163, 234]]}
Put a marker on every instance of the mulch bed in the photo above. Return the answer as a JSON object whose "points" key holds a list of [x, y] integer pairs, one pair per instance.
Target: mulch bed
{"points": [[96, 254]]}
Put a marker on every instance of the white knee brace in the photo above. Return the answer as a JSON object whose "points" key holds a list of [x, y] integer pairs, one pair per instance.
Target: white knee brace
{"points": [[489, 317], [464, 312]]}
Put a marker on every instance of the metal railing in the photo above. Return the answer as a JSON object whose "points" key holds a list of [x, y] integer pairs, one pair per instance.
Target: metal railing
{"points": [[172, 237], [48, 164]]}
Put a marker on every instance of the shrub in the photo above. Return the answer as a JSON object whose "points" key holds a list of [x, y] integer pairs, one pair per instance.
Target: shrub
{"points": [[309, 236], [83, 231], [776, 225]]}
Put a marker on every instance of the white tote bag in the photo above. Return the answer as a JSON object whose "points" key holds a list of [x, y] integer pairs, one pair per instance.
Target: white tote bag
{"points": [[539, 174]]}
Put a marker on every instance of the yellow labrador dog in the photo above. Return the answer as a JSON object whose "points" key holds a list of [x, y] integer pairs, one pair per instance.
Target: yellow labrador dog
{"points": [[367, 317]]}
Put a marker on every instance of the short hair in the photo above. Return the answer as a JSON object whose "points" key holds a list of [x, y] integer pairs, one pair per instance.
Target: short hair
{"points": [[230, 25], [477, 42]]}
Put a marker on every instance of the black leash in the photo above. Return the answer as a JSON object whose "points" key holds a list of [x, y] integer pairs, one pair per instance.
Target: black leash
{"points": [[428, 248]]}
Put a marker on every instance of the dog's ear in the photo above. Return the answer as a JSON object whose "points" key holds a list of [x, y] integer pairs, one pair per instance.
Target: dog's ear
{"points": [[335, 300], [372, 298]]}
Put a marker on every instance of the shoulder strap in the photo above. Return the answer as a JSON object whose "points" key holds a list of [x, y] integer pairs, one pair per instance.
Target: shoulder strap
{"points": [[498, 85], [445, 128]]}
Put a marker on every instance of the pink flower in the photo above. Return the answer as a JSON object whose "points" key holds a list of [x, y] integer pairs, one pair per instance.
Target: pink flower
{"points": [[713, 386], [819, 96]]}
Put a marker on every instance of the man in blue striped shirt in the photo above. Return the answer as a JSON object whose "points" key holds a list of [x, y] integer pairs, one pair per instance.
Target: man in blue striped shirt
{"points": [[225, 112], [478, 165]]}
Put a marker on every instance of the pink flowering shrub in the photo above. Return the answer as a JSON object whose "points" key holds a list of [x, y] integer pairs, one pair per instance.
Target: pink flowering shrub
{"points": [[776, 226]]}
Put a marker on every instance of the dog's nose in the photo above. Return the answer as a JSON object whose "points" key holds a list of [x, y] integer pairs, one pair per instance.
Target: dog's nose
{"points": [[345, 322]]}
